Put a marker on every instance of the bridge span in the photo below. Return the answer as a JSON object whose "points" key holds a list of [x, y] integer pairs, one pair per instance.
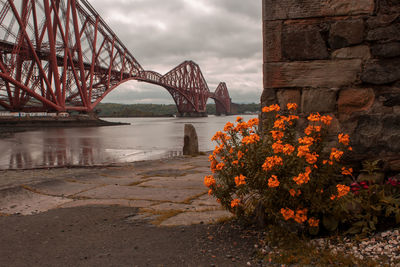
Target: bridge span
{"points": [[60, 55]]}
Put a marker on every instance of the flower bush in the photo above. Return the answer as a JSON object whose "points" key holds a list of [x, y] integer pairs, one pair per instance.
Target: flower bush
{"points": [[296, 179]]}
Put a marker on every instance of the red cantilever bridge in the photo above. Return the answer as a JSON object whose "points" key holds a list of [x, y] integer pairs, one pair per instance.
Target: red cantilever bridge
{"points": [[59, 55]]}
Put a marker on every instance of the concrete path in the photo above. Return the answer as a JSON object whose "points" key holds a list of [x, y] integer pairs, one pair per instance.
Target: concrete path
{"points": [[168, 192]]}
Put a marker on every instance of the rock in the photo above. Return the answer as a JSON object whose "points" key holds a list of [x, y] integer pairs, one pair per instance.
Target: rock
{"points": [[387, 50], [391, 32], [346, 32], [191, 143], [381, 71], [288, 96], [303, 43], [355, 99], [361, 52], [318, 100]]}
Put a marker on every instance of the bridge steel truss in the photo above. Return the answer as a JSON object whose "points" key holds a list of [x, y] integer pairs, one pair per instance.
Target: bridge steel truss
{"points": [[60, 55]]}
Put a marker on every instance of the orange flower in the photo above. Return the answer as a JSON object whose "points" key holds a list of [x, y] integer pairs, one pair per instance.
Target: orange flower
{"points": [[220, 136], [333, 197], [306, 140], [301, 215], [314, 117], [220, 166], [235, 202], [302, 151], [342, 190], [231, 150], [313, 222], [228, 126], [312, 158], [211, 157], [273, 181], [210, 192], [335, 154], [239, 180], [347, 171], [239, 119], [277, 135], [213, 165], [251, 139], [252, 122], [240, 155], [288, 149], [292, 192], [291, 106], [287, 213], [241, 126], [271, 108], [218, 149], [303, 178], [209, 181], [310, 129], [271, 162], [326, 120], [344, 139], [350, 148], [235, 162], [280, 124], [277, 147]]}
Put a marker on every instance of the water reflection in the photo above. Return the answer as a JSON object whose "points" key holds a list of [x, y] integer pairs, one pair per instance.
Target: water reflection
{"points": [[145, 138]]}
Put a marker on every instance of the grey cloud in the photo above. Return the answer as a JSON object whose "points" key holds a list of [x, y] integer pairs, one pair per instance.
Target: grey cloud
{"points": [[222, 36]]}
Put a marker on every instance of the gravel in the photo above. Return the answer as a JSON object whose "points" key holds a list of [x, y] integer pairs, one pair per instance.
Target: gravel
{"points": [[383, 247]]}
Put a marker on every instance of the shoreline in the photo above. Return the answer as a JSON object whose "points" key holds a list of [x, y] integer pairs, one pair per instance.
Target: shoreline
{"points": [[9, 126]]}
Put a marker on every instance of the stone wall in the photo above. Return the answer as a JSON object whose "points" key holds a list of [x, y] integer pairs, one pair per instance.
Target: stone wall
{"points": [[338, 57]]}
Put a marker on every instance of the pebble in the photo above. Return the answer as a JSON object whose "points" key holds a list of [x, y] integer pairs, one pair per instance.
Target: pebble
{"points": [[383, 246]]}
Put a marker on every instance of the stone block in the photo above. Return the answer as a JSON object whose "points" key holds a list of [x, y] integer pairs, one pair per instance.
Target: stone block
{"points": [[268, 97], [361, 52], [382, 20], [387, 50], [346, 32], [303, 43], [318, 100], [381, 71], [295, 9], [188, 218], [320, 73], [389, 6], [288, 96], [377, 134], [355, 99], [272, 33], [390, 33]]}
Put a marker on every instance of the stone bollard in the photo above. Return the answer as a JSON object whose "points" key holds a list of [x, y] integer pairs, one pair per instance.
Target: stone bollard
{"points": [[190, 141]]}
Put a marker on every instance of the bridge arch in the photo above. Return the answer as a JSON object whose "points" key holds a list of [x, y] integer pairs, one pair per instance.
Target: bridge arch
{"points": [[61, 55]]}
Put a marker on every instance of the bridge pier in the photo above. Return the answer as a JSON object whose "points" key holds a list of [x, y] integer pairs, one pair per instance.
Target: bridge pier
{"points": [[192, 114]]}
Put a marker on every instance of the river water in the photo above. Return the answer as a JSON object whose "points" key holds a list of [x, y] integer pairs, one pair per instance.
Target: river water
{"points": [[143, 139]]}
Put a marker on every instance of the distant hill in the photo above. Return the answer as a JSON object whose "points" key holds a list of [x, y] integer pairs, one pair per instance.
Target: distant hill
{"points": [[153, 110]]}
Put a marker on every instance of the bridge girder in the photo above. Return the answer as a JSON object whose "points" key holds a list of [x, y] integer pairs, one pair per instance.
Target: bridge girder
{"points": [[60, 55]]}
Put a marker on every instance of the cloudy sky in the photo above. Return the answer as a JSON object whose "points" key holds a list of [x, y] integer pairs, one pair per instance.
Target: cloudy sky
{"points": [[222, 36]]}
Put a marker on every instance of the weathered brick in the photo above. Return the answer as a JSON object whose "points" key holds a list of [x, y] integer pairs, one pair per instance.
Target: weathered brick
{"points": [[386, 50], [391, 32], [286, 96], [346, 32], [301, 42], [318, 100], [361, 52], [272, 33], [319, 73], [381, 71], [295, 9], [355, 99]]}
